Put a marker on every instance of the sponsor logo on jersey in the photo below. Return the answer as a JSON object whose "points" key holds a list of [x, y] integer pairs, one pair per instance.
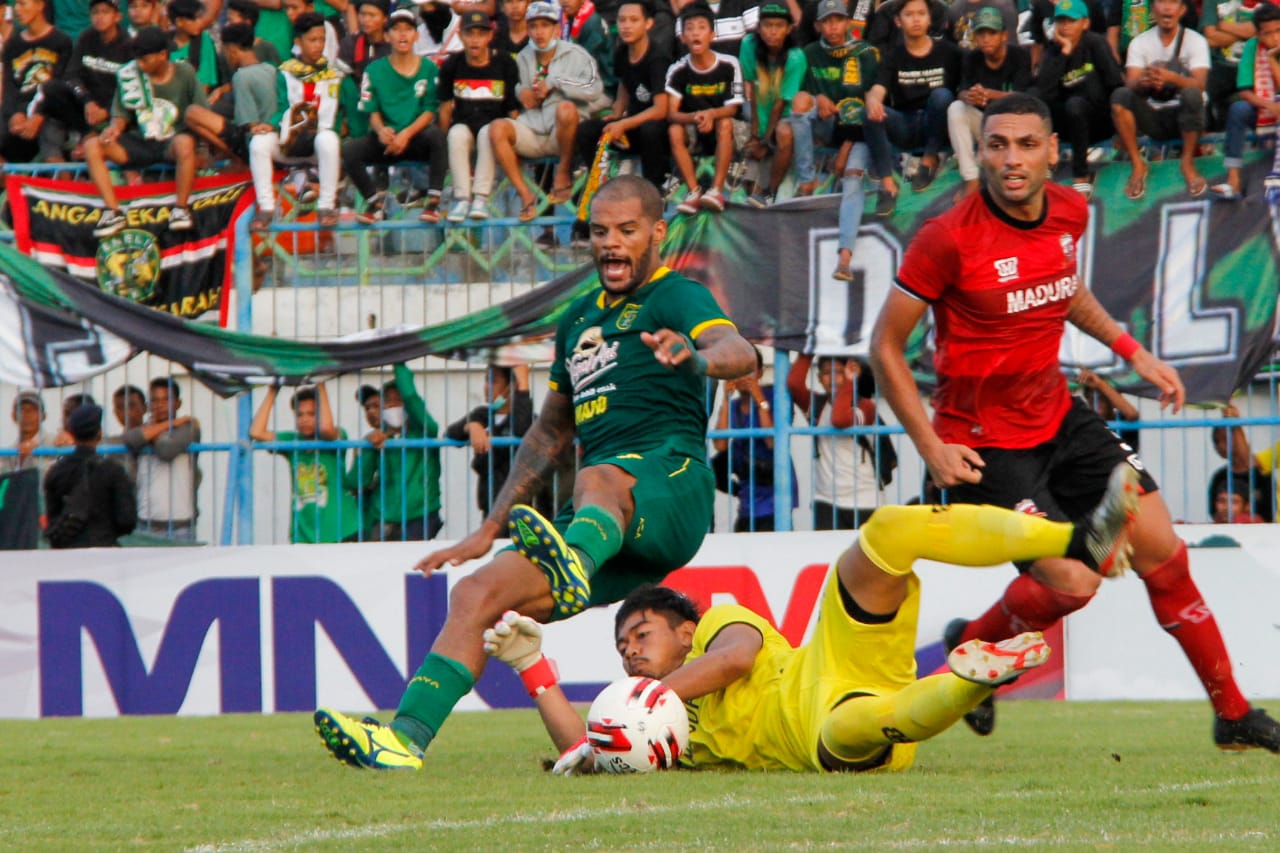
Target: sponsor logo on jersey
{"points": [[1006, 269], [1068, 247], [591, 358], [1042, 294]]}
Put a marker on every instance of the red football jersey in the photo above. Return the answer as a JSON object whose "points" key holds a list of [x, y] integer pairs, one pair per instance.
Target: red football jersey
{"points": [[999, 289]]}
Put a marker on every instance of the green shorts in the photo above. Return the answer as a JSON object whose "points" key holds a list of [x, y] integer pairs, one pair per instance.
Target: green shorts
{"points": [[674, 497]]}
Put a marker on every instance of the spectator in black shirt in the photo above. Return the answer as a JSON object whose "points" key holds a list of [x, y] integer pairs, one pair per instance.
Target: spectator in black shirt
{"points": [[640, 111], [356, 51], [1076, 78], [31, 58], [1103, 20], [990, 72], [113, 505], [513, 29], [80, 101], [476, 86], [915, 85], [883, 31]]}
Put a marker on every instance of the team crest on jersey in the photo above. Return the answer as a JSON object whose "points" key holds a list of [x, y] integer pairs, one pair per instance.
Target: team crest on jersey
{"points": [[1068, 247], [628, 316], [1006, 269], [591, 358]]}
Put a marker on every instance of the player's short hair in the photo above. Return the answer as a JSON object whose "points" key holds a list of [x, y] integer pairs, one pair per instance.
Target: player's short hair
{"points": [[306, 22], [646, 7], [1019, 104], [633, 186], [675, 606], [238, 35], [301, 395], [1265, 12]]}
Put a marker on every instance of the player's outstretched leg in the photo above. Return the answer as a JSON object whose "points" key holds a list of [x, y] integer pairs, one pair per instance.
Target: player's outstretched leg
{"points": [[538, 541], [999, 663], [365, 743], [981, 719], [857, 732]]}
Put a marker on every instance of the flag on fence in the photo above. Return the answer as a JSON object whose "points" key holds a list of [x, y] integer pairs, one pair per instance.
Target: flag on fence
{"points": [[183, 273]]}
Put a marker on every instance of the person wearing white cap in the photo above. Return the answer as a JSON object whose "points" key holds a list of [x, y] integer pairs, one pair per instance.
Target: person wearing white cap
{"points": [[560, 85]]}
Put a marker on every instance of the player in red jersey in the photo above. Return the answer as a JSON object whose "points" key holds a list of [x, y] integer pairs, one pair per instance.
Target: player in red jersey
{"points": [[999, 272]]}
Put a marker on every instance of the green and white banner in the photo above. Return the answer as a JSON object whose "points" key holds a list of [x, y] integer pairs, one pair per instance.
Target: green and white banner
{"points": [[1194, 280]]}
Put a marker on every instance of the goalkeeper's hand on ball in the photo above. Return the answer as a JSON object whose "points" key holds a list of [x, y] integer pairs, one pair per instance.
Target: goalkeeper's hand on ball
{"points": [[577, 760], [515, 640]]}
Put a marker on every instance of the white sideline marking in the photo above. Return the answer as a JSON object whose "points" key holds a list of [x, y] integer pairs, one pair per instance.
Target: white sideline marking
{"points": [[293, 840], [363, 832], [1206, 785]]}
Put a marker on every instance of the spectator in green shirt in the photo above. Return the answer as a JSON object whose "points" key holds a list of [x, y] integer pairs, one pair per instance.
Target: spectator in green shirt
{"points": [[399, 96], [773, 69], [400, 484], [192, 43], [323, 509]]}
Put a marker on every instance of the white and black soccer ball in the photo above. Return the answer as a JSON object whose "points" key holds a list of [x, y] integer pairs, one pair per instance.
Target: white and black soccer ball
{"points": [[637, 725]]}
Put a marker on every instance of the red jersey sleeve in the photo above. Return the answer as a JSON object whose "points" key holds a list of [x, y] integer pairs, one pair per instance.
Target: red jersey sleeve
{"points": [[932, 263]]}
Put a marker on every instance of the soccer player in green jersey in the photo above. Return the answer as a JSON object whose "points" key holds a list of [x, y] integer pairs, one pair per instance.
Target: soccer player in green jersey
{"points": [[632, 359]]}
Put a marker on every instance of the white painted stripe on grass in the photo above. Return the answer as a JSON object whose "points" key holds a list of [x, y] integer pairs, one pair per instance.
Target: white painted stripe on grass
{"points": [[1207, 785], [356, 833]]}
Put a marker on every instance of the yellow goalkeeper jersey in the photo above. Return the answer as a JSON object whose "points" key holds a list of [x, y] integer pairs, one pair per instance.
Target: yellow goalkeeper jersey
{"points": [[772, 717]]}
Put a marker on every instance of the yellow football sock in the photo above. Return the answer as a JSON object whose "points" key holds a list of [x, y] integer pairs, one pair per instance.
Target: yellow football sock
{"points": [[859, 728], [964, 534]]}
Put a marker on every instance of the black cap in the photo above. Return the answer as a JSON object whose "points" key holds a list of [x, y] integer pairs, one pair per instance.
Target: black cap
{"points": [[475, 20], [114, 4], [184, 9], [150, 40], [85, 422], [364, 392]]}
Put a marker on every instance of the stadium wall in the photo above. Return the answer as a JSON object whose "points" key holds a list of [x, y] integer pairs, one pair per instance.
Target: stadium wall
{"points": [[284, 628]]}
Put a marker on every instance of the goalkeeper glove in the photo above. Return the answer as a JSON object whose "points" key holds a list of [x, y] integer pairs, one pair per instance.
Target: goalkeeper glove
{"points": [[516, 640], [576, 760]]}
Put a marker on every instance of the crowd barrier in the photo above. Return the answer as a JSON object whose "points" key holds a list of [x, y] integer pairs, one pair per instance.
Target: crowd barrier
{"points": [[244, 494], [285, 628]]}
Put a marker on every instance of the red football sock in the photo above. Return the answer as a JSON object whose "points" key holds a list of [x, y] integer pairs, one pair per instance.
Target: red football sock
{"points": [[1182, 612], [1027, 605]]}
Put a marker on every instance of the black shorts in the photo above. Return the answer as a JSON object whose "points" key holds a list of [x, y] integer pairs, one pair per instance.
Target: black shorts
{"points": [[1063, 479], [143, 152]]}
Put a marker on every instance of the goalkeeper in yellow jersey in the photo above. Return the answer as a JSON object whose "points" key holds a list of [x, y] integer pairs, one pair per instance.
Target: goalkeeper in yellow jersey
{"points": [[848, 699]]}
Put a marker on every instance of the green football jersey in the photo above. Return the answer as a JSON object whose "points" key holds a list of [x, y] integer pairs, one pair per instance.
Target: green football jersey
{"points": [[397, 98], [841, 73], [625, 401]]}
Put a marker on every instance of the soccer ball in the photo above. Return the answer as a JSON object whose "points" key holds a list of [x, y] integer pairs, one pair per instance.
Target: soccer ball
{"points": [[637, 725]]}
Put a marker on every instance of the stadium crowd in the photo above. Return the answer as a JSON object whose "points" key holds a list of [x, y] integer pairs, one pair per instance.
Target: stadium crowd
{"points": [[462, 90]]}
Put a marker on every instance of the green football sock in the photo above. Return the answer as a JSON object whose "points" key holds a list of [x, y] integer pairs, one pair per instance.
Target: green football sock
{"points": [[595, 534], [429, 699]]}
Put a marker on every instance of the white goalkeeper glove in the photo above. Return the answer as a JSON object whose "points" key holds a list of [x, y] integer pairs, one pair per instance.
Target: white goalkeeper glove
{"points": [[577, 760], [516, 640]]}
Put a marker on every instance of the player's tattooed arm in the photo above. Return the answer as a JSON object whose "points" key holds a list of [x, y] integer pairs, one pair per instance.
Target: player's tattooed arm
{"points": [[541, 449], [1087, 314]]}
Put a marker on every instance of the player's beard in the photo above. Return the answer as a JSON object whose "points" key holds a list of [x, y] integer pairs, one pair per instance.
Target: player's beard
{"points": [[641, 268]]}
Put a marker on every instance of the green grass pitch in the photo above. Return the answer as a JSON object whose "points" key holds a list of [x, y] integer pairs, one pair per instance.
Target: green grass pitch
{"points": [[1108, 776]]}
